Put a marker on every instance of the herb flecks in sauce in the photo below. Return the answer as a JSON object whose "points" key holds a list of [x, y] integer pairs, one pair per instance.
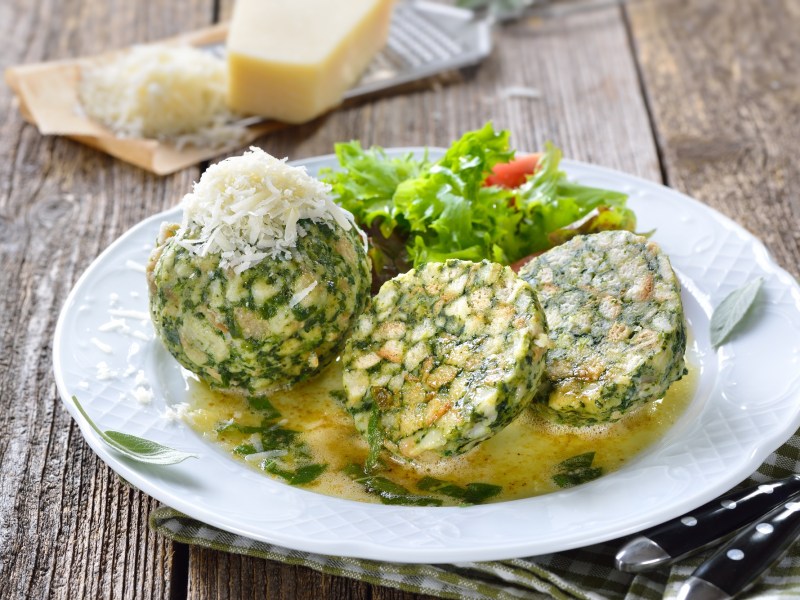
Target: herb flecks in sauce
{"points": [[472, 493], [276, 449], [576, 470], [375, 437], [521, 459], [388, 491]]}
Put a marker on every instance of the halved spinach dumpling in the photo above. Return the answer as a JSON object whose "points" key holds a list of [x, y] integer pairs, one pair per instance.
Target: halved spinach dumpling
{"points": [[444, 357], [616, 323]]}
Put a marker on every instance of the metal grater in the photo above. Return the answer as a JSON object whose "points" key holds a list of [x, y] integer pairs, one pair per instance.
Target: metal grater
{"points": [[424, 39]]}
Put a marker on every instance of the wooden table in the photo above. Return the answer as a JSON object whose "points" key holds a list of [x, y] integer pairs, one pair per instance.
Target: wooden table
{"points": [[701, 95]]}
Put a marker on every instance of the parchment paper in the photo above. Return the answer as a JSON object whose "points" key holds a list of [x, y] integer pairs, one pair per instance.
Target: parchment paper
{"points": [[47, 95]]}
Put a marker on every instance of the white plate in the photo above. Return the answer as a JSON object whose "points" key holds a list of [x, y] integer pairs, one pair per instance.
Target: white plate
{"points": [[747, 403]]}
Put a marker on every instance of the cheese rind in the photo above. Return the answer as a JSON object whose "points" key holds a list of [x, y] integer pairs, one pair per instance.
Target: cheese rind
{"points": [[293, 61]]}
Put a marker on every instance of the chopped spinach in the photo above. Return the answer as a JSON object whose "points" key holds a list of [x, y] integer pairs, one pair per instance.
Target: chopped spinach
{"points": [[374, 439], [576, 470], [290, 457], [264, 406], [338, 395], [388, 491], [244, 449], [573, 463], [472, 493], [231, 426], [299, 476]]}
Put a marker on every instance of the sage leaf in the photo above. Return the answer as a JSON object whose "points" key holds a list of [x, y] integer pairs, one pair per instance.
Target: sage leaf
{"points": [[136, 448], [732, 310]]}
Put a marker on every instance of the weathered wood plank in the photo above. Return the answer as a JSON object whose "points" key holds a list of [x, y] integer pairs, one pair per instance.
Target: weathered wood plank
{"points": [[68, 526], [590, 105], [723, 81]]}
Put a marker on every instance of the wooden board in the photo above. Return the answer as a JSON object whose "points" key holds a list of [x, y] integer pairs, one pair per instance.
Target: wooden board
{"points": [[703, 93], [723, 82]]}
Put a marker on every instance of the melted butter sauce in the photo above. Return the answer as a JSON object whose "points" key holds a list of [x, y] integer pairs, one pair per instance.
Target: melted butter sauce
{"points": [[522, 458]]}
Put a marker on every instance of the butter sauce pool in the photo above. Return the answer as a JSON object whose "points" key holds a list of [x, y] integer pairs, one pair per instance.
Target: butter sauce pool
{"points": [[522, 458]]}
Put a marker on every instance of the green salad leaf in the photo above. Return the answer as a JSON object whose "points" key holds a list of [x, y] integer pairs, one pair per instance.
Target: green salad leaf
{"points": [[449, 212], [367, 182], [417, 211], [553, 209]]}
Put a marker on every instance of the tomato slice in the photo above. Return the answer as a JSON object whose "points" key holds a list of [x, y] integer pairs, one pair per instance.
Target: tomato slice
{"points": [[513, 174]]}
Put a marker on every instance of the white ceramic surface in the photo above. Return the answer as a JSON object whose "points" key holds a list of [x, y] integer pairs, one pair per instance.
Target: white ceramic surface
{"points": [[747, 403]]}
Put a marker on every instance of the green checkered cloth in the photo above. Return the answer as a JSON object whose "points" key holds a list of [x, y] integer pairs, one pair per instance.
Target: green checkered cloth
{"points": [[587, 573]]}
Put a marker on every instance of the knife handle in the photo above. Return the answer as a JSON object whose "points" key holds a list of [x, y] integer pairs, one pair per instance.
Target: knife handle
{"points": [[740, 563], [671, 541]]}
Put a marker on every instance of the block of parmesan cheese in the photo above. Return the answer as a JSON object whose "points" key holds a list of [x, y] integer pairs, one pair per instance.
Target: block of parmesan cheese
{"points": [[293, 60]]}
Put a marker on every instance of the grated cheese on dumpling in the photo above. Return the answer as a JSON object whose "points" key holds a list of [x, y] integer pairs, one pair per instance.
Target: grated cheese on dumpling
{"points": [[249, 207]]}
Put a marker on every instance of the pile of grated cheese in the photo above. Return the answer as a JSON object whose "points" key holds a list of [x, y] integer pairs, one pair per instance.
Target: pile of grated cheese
{"points": [[248, 208], [174, 93]]}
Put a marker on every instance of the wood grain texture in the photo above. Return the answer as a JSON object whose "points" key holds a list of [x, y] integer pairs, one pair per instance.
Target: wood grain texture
{"points": [[589, 104], [68, 527], [723, 82]]}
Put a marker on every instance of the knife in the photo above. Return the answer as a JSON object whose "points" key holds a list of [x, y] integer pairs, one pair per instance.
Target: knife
{"points": [[738, 565], [675, 539]]}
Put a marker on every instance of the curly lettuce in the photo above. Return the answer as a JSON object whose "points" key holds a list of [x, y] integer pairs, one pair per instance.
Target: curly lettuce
{"points": [[417, 211]]}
